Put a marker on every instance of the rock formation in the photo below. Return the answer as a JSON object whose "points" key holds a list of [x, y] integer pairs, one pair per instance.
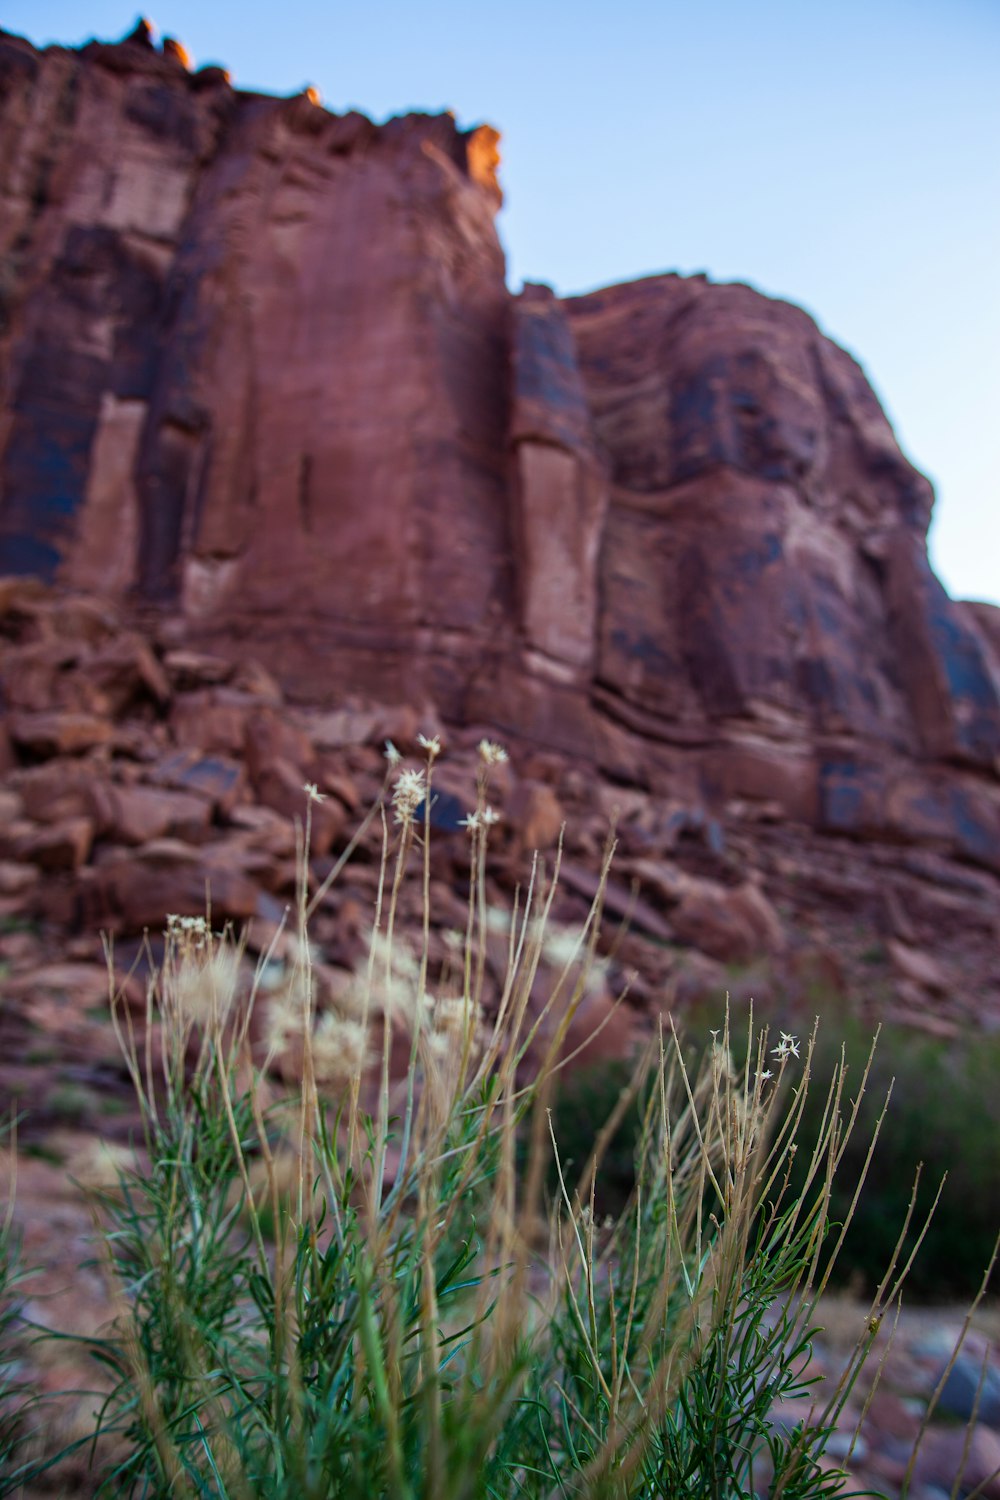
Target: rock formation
{"points": [[261, 380]]}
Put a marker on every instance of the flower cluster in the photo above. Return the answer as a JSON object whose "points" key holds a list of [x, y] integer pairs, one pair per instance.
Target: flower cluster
{"points": [[492, 754], [408, 795], [480, 819], [196, 926], [188, 933], [787, 1047]]}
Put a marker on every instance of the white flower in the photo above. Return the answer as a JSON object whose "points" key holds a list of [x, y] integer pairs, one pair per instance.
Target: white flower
{"points": [[408, 795], [392, 755], [187, 930], [313, 792], [764, 1075], [481, 819], [787, 1047], [492, 754], [432, 745]]}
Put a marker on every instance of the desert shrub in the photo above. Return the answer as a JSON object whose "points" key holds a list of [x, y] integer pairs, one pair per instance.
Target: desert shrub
{"points": [[367, 1289]]}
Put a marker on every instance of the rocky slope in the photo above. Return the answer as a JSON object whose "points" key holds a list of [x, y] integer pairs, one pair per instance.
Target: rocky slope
{"points": [[263, 390]]}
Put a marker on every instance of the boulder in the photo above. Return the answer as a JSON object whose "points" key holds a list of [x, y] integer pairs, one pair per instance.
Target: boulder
{"points": [[535, 815], [137, 890], [60, 846], [16, 877], [943, 1461], [140, 814], [46, 735], [218, 778], [210, 721], [124, 671]]}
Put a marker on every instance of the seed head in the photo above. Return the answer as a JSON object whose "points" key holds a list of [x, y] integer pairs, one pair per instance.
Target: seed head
{"points": [[339, 1050], [286, 1016], [205, 984], [455, 1015]]}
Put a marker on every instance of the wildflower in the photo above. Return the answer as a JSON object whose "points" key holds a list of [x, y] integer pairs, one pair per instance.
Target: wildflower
{"points": [[190, 926], [408, 795], [432, 745], [187, 933], [764, 1075], [313, 792], [492, 754], [787, 1047], [481, 819], [392, 755], [791, 1042]]}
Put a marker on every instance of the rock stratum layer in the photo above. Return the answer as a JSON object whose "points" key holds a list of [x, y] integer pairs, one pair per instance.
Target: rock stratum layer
{"points": [[261, 381]]}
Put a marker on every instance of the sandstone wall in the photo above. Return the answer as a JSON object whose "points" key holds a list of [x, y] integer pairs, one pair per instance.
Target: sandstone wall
{"points": [[260, 375]]}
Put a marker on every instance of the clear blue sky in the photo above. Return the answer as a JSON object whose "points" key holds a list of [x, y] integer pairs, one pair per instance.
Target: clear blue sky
{"points": [[843, 155]]}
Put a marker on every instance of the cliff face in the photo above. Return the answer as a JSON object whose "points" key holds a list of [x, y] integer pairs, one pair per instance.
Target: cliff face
{"points": [[259, 370], [251, 352]]}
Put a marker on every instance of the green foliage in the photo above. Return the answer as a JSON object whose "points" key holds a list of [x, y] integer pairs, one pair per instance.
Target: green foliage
{"points": [[944, 1114]]}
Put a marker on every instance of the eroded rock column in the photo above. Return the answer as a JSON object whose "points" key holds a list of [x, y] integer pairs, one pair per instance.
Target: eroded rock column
{"points": [[561, 486]]}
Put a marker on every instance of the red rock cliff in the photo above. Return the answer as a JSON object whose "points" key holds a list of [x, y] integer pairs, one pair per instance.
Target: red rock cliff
{"points": [[259, 368]]}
